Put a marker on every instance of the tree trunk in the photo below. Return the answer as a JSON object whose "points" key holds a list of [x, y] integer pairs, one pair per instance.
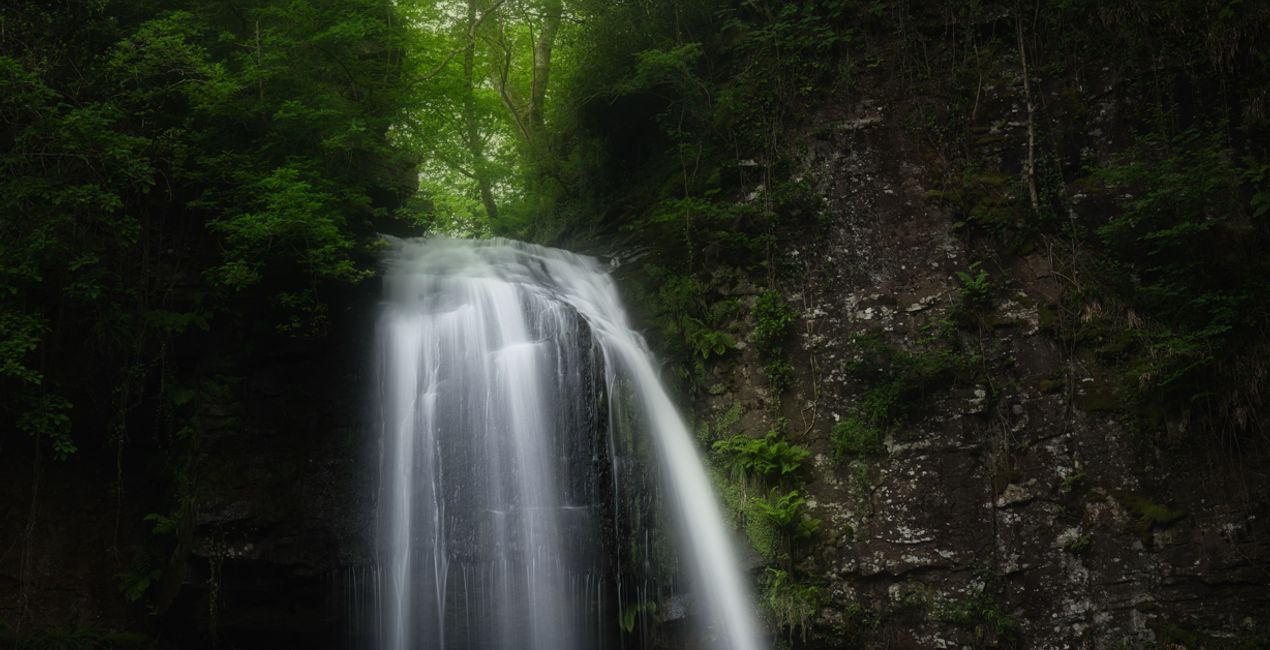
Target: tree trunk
{"points": [[552, 13], [472, 130]]}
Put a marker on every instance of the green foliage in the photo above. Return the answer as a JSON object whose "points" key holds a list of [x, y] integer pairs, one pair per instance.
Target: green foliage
{"points": [[49, 418], [779, 374], [163, 525], [135, 583], [860, 620], [1073, 483], [1181, 193], [633, 611], [1147, 514], [1078, 544], [769, 458], [793, 603], [715, 428], [292, 218], [774, 319], [692, 92], [787, 513], [985, 202], [975, 292], [734, 493], [654, 68], [705, 341], [479, 116], [775, 521], [22, 334], [855, 437], [897, 381], [164, 167], [979, 612], [1191, 312], [692, 326]]}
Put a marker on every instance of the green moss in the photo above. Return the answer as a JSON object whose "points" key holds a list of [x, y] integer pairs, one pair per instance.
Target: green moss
{"points": [[793, 603], [763, 537], [860, 621], [855, 437], [940, 196], [844, 533], [898, 381], [862, 475], [982, 200], [1147, 514], [1096, 397], [1052, 383], [1073, 483], [1078, 545], [735, 495], [978, 611], [715, 428]]}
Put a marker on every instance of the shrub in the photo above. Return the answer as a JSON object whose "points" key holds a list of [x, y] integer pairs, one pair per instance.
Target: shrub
{"points": [[975, 292], [787, 513], [855, 437], [773, 321], [793, 603], [767, 457]]}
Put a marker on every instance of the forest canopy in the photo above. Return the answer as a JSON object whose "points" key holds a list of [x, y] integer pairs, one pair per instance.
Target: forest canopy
{"points": [[170, 169]]}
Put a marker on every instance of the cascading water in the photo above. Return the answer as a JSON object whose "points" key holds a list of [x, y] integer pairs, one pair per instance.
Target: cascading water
{"points": [[511, 389]]}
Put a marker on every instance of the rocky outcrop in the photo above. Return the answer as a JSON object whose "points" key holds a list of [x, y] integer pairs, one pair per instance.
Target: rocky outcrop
{"points": [[1010, 508]]}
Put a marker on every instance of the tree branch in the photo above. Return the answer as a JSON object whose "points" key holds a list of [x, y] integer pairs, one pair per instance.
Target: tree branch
{"points": [[471, 36]]}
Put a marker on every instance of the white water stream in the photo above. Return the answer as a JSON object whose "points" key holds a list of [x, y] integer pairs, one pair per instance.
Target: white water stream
{"points": [[503, 369]]}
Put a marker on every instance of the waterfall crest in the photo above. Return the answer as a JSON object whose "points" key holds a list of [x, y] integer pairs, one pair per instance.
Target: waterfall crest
{"points": [[512, 391]]}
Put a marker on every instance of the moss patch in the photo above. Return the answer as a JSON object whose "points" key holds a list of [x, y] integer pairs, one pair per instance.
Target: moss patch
{"points": [[1147, 515]]}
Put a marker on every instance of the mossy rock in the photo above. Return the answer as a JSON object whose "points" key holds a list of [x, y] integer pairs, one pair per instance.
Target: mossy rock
{"points": [[1050, 384], [1098, 397], [1148, 515], [1170, 634]]}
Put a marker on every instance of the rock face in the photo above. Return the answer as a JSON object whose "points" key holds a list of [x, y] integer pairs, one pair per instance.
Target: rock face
{"points": [[1009, 509]]}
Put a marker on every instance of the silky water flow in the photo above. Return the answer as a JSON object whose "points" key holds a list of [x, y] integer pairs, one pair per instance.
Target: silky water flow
{"points": [[516, 404]]}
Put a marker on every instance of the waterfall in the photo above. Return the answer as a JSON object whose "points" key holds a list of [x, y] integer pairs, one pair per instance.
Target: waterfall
{"points": [[515, 401]]}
